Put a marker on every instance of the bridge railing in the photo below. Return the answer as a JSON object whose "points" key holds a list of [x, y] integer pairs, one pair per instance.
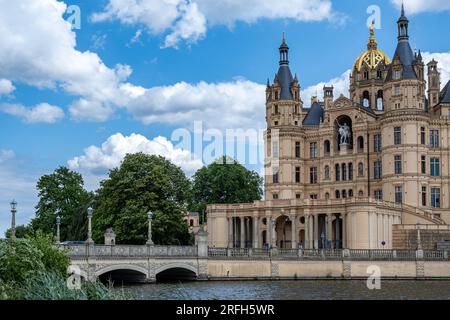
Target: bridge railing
{"points": [[328, 254], [121, 251]]}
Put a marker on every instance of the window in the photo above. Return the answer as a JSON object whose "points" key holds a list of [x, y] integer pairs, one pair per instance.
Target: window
{"points": [[297, 149], [434, 138], [361, 193], [275, 109], [313, 196], [350, 171], [435, 197], [424, 196], [350, 193], [378, 194], [276, 95], [377, 170], [338, 174], [338, 194], [377, 143], [379, 74], [397, 74], [275, 196], [297, 195], [275, 175], [434, 167], [326, 147], [422, 135], [397, 90], [327, 173], [398, 164], [313, 150], [398, 194], [360, 170], [360, 144], [297, 174], [344, 172], [366, 75], [327, 196], [423, 164], [397, 135], [344, 194], [295, 107], [275, 149], [276, 123], [313, 175]]}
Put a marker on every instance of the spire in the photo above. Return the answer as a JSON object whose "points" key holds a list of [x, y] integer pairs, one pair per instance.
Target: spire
{"points": [[403, 26], [284, 50], [372, 44]]}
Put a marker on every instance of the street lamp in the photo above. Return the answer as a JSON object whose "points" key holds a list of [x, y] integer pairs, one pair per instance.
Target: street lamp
{"points": [[150, 217], [90, 211], [58, 223], [13, 219]]}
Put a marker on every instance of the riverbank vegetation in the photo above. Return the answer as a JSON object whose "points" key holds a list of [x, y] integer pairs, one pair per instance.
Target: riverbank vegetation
{"points": [[33, 269]]}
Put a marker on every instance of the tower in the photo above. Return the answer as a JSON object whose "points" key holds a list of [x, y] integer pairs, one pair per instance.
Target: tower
{"points": [[328, 96], [434, 83]]}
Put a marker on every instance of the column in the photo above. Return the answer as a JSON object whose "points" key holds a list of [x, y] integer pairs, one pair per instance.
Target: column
{"points": [[344, 231], [391, 221], [268, 231], [316, 231], [242, 224], [255, 231], [274, 233], [311, 232], [306, 244], [247, 231], [336, 232], [380, 230], [385, 231], [293, 229], [230, 232], [330, 229]]}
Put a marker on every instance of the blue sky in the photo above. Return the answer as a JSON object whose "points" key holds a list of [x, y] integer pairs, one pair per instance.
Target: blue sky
{"points": [[137, 72]]}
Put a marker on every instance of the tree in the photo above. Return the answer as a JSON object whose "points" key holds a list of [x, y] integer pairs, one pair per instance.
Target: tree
{"points": [[21, 232], [143, 183], [224, 181], [62, 193]]}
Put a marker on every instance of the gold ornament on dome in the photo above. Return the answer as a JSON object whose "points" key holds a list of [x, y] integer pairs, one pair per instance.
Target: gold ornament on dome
{"points": [[372, 57]]}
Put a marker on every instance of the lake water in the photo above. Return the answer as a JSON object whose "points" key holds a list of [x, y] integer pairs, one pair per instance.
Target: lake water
{"points": [[291, 290]]}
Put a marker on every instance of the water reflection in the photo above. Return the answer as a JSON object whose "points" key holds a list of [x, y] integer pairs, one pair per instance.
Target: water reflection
{"points": [[291, 290]]}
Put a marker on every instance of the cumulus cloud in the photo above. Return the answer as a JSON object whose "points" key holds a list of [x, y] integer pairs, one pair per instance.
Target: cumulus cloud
{"points": [[98, 160], [41, 113], [341, 86], [189, 19], [443, 59], [6, 87], [418, 6]]}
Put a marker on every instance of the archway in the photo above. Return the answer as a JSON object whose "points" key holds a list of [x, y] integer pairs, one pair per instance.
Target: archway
{"points": [[283, 232], [342, 120], [118, 274]]}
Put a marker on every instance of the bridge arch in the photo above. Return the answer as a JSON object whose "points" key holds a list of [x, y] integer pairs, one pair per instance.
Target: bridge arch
{"points": [[176, 271], [117, 267], [176, 266]]}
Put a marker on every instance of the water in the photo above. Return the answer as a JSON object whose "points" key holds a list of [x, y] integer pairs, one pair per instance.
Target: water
{"points": [[291, 290]]}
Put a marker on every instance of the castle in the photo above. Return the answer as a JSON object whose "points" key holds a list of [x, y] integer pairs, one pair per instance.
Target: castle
{"points": [[349, 172]]}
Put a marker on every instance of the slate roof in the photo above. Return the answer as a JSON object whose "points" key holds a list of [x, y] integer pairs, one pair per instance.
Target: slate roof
{"points": [[444, 97], [285, 80], [406, 58], [314, 116]]}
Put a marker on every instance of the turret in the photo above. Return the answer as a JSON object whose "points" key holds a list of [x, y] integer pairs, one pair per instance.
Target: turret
{"points": [[434, 83]]}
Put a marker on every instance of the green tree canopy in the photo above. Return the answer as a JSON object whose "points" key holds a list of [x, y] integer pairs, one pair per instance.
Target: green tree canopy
{"points": [[62, 193], [21, 232], [143, 183], [224, 181]]}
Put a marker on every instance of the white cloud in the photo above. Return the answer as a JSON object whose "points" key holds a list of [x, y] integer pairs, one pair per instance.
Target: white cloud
{"points": [[6, 155], [98, 160], [41, 113], [237, 104], [6, 87], [188, 20], [90, 110], [418, 6], [341, 86]]}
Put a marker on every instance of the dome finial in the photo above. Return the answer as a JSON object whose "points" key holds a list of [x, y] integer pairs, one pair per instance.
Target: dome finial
{"points": [[372, 44]]}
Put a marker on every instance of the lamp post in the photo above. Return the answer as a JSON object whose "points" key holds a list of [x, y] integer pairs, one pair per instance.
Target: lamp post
{"points": [[150, 217], [58, 223], [90, 211], [13, 219]]}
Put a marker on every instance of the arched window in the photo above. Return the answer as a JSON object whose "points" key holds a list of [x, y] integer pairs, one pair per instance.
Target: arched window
{"points": [[344, 194], [350, 171], [344, 172], [276, 95], [380, 106], [350, 193], [327, 173], [327, 196], [366, 99], [360, 144], [338, 194], [338, 173], [326, 147], [361, 193], [360, 170]]}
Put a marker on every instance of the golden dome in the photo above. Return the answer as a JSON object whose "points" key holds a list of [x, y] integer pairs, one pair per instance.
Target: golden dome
{"points": [[372, 57]]}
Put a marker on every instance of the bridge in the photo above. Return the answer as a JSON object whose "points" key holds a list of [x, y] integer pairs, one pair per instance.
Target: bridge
{"points": [[151, 263]]}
